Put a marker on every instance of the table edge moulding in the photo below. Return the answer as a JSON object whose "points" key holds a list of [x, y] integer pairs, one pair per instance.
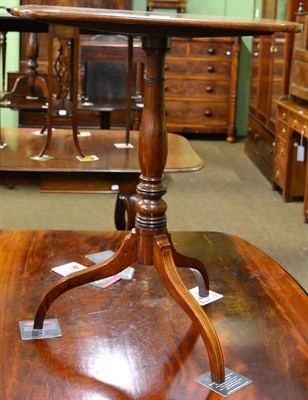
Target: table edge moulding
{"points": [[149, 243]]}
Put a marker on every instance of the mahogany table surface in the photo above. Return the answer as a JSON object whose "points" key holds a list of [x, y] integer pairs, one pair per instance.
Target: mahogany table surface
{"points": [[131, 340], [153, 24], [22, 145]]}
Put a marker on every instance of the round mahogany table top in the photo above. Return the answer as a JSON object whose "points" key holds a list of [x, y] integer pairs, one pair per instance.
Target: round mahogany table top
{"points": [[154, 24]]}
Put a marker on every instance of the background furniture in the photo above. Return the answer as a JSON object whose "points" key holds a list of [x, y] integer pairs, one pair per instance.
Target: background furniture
{"points": [[116, 171], [178, 5], [201, 92], [269, 81], [290, 168], [289, 173], [86, 118], [105, 84], [263, 334], [201, 86]]}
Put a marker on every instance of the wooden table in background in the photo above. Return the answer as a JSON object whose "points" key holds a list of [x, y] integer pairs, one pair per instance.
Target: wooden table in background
{"points": [[116, 171], [120, 343]]}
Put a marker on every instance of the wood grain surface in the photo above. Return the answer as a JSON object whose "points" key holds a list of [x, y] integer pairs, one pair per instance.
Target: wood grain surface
{"points": [[22, 145], [131, 340]]}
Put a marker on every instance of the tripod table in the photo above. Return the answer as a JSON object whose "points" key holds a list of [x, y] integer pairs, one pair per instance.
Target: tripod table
{"points": [[149, 243]]}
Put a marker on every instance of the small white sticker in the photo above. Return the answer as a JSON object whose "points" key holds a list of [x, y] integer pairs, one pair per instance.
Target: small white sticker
{"points": [[212, 296], [123, 146]]}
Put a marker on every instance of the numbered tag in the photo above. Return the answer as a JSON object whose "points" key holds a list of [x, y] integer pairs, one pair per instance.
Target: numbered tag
{"points": [[301, 148], [300, 153]]}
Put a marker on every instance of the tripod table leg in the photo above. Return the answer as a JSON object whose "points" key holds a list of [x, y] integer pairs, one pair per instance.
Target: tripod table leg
{"points": [[124, 257], [166, 268]]}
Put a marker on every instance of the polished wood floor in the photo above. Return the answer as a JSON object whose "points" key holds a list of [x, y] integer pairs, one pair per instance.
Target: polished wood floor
{"points": [[131, 340]]}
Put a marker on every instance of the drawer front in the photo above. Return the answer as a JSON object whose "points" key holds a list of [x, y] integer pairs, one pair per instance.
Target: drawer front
{"points": [[195, 68], [211, 50], [299, 124], [260, 140], [279, 174], [179, 48], [196, 88], [281, 151], [202, 48], [281, 130], [191, 113], [283, 113]]}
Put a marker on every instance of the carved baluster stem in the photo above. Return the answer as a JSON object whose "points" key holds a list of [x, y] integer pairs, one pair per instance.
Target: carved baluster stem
{"points": [[151, 210]]}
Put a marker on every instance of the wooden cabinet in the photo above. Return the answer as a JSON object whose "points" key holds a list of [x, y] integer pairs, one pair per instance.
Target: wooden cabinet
{"points": [[270, 75], [291, 131], [201, 86], [290, 169]]}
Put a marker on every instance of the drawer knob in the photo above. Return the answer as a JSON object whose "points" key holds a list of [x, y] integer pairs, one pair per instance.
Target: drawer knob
{"points": [[208, 113], [277, 174], [228, 53], [283, 132], [284, 115], [209, 88], [295, 122], [274, 49], [281, 152], [210, 68], [211, 51]]}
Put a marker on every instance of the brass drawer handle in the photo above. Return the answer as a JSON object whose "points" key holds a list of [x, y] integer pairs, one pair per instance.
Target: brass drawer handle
{"points": [[274, 49], [295, 122], [283, 132], [277, 174], [284, 115], [282, 152]]}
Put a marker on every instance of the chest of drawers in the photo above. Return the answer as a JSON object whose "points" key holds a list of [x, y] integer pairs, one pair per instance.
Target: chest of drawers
{"points": [[201, 86], [291, 131]]}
